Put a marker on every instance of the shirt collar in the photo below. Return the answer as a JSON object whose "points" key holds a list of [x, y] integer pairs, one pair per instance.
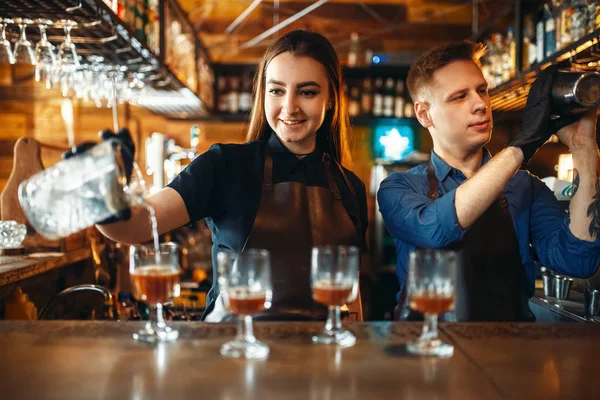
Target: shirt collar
{"points": [[278, 150], [442, 169]]}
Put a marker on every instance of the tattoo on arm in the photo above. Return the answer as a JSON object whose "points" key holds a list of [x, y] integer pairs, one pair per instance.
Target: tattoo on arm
{"points": [[575, 184], [594, 212]]}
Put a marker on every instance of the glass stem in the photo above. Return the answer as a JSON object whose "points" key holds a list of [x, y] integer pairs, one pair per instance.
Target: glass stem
{"points": [[334, 319], [429, 328], [44, 38], [245, 332], [160, 318]]}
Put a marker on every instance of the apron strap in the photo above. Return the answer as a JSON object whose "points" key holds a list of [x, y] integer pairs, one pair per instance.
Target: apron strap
{"points": [[433, 183]]}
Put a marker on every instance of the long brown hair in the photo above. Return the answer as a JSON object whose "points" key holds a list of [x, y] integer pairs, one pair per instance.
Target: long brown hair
{"points": [[333, 134]]}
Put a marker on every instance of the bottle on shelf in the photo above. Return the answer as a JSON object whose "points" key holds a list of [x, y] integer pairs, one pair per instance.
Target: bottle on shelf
{"points": [[366, 100], [550, 31], [399, 100], [354, 50], [245, 101], [566, 13], [509, 54], [540, 33], [378, 98], [223, 93], [388, 98], [578, 20], [409, 108], [591, 8], [354, 104], [234, 95]]}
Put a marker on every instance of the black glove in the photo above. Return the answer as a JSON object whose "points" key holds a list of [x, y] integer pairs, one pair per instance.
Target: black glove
{"points": [[537, 125], [122, 141]]}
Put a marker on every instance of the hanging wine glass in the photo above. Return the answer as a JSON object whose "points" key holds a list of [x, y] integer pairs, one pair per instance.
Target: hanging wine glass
{"points": [[6, 54], [24, 53], [67, 53], [45, 59]]}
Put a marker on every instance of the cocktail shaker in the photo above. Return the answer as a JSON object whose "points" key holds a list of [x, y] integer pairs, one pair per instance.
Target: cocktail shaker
{"points": [[575, 92]]}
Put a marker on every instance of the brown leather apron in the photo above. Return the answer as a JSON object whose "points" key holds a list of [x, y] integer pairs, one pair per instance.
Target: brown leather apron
{"points": [[491, 281], [291, 219]]}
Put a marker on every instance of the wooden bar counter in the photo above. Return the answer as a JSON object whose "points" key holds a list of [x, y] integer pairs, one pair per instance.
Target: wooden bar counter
{"points": [[100, 360]]}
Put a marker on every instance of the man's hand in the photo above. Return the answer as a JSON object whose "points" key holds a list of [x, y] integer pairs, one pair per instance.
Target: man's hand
{"points": [[580, 135], [537, 126]]}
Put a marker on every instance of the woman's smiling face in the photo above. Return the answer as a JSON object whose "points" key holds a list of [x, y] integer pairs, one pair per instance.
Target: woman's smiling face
{"points": [[296, 100]]}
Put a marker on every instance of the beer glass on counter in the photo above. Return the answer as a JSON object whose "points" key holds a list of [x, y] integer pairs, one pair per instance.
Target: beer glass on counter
{"points": [[334, 281], [155, 280], [431, 290], [245, 284]]}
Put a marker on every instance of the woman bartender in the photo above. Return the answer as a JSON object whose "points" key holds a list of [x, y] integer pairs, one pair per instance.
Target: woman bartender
{"points": [[285, 189]]}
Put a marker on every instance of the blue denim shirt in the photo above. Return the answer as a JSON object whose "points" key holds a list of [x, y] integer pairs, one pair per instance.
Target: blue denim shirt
{"points": [[414, 220]]}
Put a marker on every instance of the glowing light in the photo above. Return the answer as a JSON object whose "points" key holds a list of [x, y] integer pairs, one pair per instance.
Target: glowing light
{"points": [[394, 144]]}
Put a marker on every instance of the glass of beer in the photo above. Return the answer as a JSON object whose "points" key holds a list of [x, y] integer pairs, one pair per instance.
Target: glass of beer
{"points": [[334, 281], [245, 285], [430, 290], [155, 279]]}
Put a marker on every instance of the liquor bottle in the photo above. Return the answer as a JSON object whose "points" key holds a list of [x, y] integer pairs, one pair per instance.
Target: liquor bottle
{"points": [[234, 95], [378, 98], [399, 100], [565, 24], [388, 98], [366, 100], [223, 93], [578, 20], [354, 50], [550, 29], [409, 108], [540, 33], [354, 105], [591, 8], [246, 94], [529, 42], [509, 55]]}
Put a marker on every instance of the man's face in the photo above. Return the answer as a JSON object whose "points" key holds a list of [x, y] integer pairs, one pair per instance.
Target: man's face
{"points": [[459, 108]]}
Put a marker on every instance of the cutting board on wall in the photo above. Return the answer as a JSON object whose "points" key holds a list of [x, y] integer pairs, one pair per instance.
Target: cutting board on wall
{"points": [[26, 162]]}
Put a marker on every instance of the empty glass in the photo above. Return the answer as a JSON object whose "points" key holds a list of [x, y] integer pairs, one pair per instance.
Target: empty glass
{"points": [[24, 53], [67, 54], [245, 284], [6, 53], [334, 281], [430, 290], [12, 234], [155, 280], [45, 59]]}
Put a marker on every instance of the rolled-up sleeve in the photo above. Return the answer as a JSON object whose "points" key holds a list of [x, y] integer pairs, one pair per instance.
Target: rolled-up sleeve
{"points": [[199, 184], [553, 241], [411, 216]]}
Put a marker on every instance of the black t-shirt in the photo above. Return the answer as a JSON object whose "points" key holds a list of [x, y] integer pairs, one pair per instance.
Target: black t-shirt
{"points": [[223, 186]]}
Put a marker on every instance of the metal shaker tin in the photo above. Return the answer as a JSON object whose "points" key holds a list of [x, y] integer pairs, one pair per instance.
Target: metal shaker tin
{"points": [[574, 92]]}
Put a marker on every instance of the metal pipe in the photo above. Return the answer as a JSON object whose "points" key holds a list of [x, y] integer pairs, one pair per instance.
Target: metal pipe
{"points": [[283, 24], [242, 16]]}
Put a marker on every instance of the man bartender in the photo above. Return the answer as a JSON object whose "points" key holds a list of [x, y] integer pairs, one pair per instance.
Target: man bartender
{"points": [[465, 199]]}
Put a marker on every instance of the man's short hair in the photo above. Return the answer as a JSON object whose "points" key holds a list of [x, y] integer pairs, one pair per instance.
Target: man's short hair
{"points": [[422, 70]]}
